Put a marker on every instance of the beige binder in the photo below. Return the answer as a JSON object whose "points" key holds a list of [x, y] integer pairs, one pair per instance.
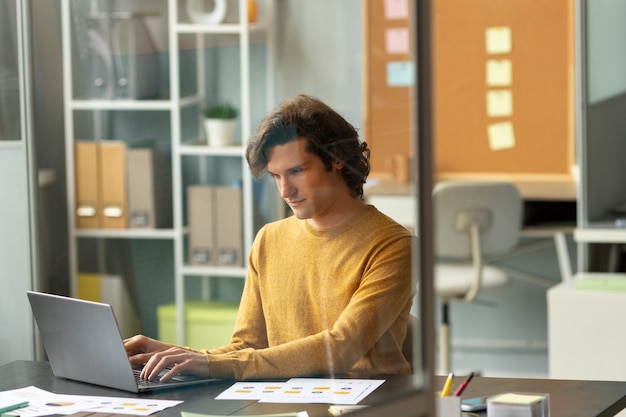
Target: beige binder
{"points": [[86, 184], [149, 190], [228, 219], [200, 215], [113, 210]]}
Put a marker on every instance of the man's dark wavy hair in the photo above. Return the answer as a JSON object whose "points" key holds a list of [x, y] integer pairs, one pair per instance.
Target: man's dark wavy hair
{"points": [[327, 133]]}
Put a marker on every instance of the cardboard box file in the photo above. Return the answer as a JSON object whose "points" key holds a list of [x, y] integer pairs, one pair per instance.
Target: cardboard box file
{"points": [[113, 208], [215, 225], [207, 324], [86, 184], [149, 190], [229, 226], [200, 216], [111, 289]]}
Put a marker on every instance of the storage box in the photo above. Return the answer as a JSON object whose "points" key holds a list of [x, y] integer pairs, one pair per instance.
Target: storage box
{"points": [[207, 324]]}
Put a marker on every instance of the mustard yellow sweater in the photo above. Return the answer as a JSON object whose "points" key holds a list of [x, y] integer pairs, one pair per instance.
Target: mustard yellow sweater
{"points": [[322, 302]]}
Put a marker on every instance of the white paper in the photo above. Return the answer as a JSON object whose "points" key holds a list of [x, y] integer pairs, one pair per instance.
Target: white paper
{"points": [[44, 403], [303, 390]]}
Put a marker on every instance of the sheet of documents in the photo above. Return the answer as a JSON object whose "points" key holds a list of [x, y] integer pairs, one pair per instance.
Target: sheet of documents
{"points": [[42, 403], [296, 414], [303, 390]]}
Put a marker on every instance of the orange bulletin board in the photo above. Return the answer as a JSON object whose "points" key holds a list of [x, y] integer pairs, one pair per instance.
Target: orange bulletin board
{"points": [[504, 89], [476, 136], [388, 98]]}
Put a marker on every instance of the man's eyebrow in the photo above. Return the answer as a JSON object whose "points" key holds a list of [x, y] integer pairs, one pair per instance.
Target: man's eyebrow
{"points": [[290, 169]]}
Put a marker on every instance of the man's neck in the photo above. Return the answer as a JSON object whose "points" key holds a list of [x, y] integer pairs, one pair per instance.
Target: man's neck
{"points": [[337, 217]]}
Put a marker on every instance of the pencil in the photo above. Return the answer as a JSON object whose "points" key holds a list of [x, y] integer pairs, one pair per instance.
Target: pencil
{"points": [[446, 388], [462, 387], [14, 407]]}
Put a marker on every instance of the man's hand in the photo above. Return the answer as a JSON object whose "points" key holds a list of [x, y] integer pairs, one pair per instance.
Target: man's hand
{"points": [[158, 356]]}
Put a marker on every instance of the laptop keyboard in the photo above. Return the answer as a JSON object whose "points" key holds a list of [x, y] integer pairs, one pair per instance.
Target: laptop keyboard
{"points": [[146, 383]]}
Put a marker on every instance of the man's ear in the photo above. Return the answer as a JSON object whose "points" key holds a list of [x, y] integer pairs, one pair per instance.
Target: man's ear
{"points": [[338, 165]]}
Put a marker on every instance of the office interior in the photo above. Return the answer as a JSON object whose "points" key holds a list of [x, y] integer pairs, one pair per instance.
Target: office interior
{"points": [[320, 48]]}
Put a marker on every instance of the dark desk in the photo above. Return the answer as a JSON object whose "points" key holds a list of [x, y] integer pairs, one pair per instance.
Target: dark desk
{"points": [[567, 398]]}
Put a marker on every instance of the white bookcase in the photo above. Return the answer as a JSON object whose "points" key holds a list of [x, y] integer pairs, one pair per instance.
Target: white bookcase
{"points": [[176, 112]]}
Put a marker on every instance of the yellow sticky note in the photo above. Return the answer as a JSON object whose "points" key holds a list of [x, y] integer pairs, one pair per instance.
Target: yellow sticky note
{"points": [[501, 136], [499, 72], [498, 40], [499, 103], [511, 398]]}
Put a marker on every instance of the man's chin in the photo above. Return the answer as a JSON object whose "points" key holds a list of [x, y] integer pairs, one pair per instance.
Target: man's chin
{"points": [[300, 214]]}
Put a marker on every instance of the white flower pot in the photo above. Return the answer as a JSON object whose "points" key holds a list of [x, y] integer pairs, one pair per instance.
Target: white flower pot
{"points": [[220, 132]]}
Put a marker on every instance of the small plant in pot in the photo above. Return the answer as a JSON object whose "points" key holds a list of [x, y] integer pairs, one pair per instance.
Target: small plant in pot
{"points": [[220, 121]]}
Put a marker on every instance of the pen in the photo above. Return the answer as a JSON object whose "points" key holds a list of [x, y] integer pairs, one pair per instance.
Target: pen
{"points": [[462, 387], [446, 388], [13, 407], [338, 410]]}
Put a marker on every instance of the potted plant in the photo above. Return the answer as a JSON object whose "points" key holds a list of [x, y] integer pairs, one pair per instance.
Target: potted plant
{"points": [[220, 121]]}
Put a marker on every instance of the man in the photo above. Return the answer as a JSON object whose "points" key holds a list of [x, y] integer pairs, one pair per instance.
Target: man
{"points": [[328, 289]]}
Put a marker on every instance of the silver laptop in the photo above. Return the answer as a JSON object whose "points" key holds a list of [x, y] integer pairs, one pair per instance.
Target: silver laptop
{"points": [[83, 343]]}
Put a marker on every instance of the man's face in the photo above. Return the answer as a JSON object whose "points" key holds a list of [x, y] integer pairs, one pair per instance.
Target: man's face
{"points": [[303, 181]]}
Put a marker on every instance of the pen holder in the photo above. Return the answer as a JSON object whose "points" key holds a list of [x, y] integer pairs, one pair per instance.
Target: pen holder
{"points": [[448, 406]]}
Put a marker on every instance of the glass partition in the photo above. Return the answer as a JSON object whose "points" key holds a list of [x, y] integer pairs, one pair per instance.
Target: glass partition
{"points": [[9, 73], [368, 60]]}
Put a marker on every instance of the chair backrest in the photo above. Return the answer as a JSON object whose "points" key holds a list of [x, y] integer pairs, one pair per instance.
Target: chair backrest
{"points": [[495, 206]]}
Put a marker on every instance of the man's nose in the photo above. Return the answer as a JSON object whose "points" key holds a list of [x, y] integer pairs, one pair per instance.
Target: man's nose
{"points": [[285, 188]]}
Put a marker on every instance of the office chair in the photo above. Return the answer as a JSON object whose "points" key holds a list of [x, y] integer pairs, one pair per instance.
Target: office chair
{"points": [[472, 220]]}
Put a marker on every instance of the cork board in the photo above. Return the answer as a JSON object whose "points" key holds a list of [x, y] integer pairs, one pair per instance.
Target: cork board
{"points": [[533, 142], [520, 127], [388, 98]]}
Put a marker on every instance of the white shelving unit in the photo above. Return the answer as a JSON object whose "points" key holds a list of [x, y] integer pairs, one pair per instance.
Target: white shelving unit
{"points": [[179, 144]]}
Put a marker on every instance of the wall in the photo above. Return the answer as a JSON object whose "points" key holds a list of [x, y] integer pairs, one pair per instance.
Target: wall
{"points": [[16, 274]]}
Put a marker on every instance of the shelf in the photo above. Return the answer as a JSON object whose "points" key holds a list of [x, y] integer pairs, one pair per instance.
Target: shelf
{"points": [[603, 232], [96, 104], [204, 149], [225, 28], [233, 272], [126, 233]]}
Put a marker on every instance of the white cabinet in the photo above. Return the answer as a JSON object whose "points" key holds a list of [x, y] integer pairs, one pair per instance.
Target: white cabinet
{"points": [[584, 333], [165, 70]]}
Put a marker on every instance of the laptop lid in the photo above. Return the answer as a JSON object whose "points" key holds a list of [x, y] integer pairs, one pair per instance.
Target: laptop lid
{"points": [[83, 343]]}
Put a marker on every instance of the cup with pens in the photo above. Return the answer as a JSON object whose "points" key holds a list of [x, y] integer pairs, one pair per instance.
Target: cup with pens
{"points": [[449, 405]]}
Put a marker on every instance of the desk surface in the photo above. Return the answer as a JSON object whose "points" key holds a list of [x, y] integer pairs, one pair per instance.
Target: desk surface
{"points": [[568, 398], [530, 189]]}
